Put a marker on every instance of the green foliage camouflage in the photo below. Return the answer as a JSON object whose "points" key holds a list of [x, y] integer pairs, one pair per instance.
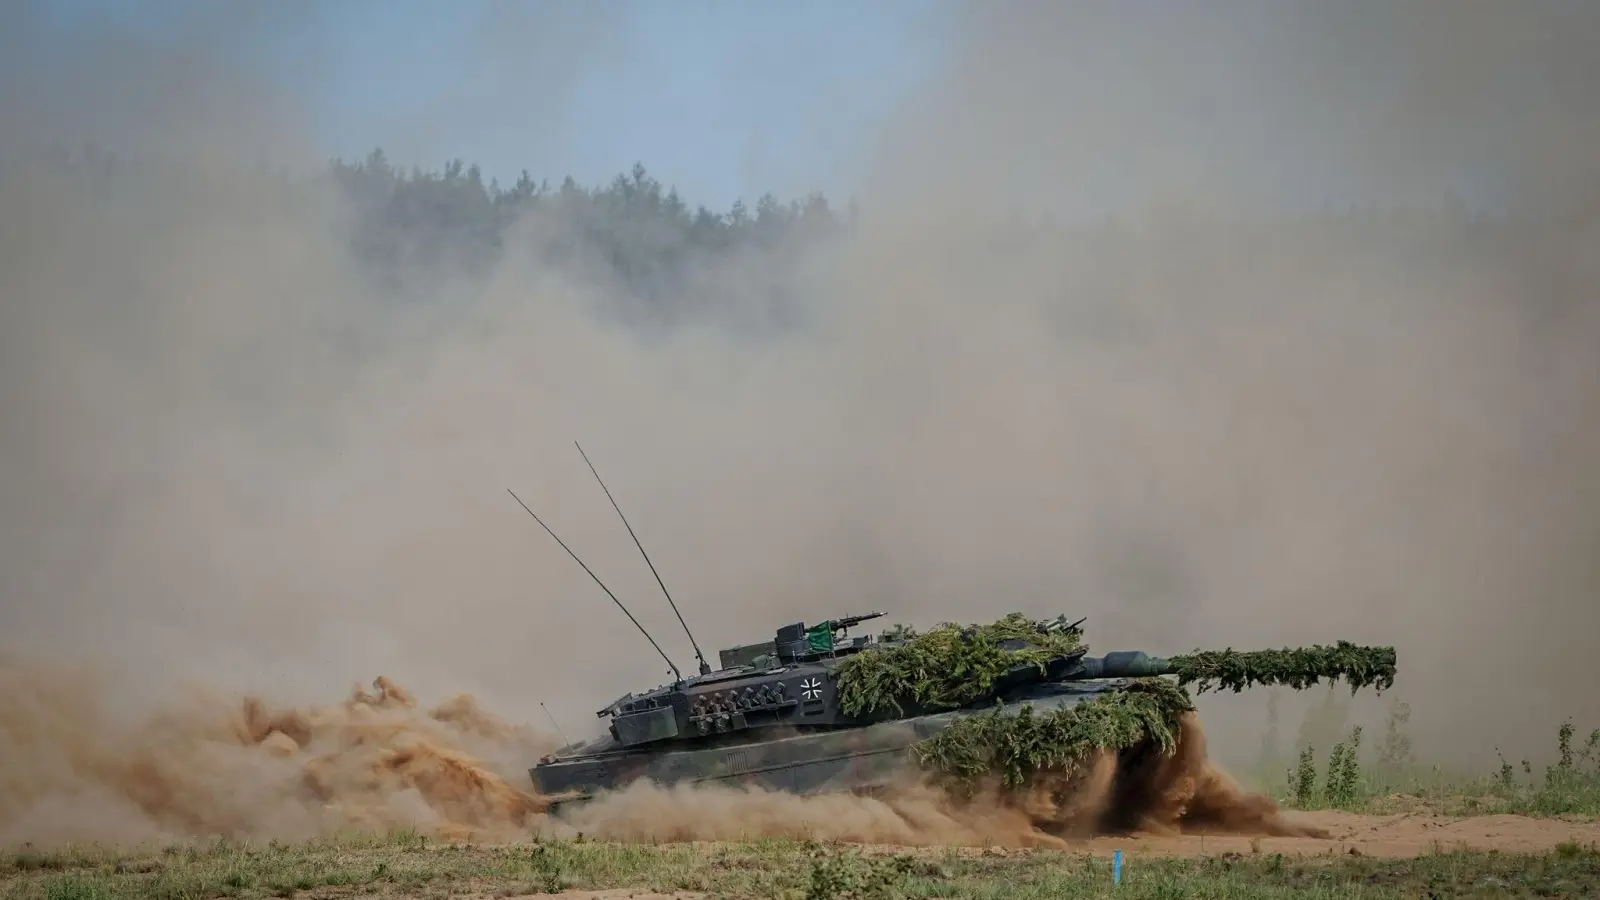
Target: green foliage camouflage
{"points": [[1299, 668], [951, 666], [1062, 741], [948, 666]]}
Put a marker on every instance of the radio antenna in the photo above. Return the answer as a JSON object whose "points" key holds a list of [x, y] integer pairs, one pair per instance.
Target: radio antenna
{"points": [[553, 722], [704, 669], [675, 672]]}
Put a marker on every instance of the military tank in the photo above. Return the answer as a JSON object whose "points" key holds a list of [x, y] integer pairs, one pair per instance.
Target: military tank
{"points": [[814, 710], [785, 714]]}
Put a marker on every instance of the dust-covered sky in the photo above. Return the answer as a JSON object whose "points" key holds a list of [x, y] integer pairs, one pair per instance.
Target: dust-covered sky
{"points": [[723, 99], [1200, 429]]}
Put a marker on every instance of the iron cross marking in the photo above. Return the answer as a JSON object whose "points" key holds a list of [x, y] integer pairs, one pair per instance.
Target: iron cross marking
{"points": [[811, 688]]}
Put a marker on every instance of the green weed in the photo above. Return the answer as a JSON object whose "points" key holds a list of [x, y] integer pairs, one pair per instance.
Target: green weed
{"points": [[1568, 786]]}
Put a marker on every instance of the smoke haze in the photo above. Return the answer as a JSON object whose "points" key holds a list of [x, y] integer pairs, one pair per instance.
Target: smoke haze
{"points": [[230, 459]]}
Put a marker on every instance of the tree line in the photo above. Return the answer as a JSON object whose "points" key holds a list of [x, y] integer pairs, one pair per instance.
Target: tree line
{"points": [[637, 234], [662, 260]]}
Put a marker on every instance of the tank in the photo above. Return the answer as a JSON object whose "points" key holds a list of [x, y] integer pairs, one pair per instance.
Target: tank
{"points": [[813, 710], [772, 714]]}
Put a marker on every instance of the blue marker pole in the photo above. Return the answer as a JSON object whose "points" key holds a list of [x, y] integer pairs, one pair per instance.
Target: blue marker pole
{"points": [[1116, 867]]}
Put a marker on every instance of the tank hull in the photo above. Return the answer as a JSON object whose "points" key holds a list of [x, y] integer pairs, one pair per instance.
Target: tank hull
{"points": [[836, 760]]}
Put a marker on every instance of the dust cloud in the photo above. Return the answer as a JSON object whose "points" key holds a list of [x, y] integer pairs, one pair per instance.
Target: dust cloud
{"points": [[1319, 362], [1157, 794], [207, 765], [230, 459]]}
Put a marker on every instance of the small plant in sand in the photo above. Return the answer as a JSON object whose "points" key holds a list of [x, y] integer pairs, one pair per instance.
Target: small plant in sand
{"points": [[1572, 783], [1303, 779], [1505, 779], [1343, 786], [1344, 772]]}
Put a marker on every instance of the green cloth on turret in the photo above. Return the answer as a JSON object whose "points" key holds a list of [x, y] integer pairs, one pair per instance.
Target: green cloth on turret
{"points": [[821, 637]]}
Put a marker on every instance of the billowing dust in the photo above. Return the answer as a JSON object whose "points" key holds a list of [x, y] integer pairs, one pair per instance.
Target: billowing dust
{"points": [[1160, 796], [81, 768], [77, 769]]}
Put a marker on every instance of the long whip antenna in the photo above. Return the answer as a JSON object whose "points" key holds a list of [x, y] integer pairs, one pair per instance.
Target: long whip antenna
{"points": [[675, 672], [555, 723], [704, 669]]}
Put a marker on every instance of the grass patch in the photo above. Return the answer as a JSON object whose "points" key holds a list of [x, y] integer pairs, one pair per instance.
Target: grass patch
{"points": [[1390, 780], [407, 867]]}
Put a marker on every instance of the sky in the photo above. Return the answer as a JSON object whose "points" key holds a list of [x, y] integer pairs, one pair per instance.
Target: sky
{"points": [[1298, 104], [724, 100]]}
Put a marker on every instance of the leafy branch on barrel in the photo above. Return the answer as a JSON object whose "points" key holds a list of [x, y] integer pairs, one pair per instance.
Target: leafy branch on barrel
{"points": [[1298, 668]]}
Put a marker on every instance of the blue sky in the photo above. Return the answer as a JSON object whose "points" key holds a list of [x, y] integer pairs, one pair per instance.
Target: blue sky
{"points": [[724, 99]]}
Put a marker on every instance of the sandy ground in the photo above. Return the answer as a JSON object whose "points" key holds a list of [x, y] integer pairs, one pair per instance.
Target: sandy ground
{"points": [[1397, 836], [611, 895]]}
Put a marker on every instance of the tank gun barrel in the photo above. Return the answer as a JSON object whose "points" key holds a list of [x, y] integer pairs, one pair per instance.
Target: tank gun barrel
{"points": [[1235, 670], [1122, 664]]}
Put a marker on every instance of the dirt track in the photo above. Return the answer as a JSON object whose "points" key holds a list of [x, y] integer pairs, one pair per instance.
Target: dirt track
{"points": [[1395, 836], [1400, 835]]}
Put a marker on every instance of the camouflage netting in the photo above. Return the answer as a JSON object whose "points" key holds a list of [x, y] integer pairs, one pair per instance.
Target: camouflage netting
{"points": [[1061, 741], [952, 666], [1299, 669], [949, 666]]}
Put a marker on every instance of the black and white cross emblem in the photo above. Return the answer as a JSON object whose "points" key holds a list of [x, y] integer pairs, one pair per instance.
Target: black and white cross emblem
{"points": [[811, 688]]}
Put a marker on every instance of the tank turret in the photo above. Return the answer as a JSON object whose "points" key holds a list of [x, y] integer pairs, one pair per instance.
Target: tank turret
{"points": [[797, 643], [784, 681]]}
